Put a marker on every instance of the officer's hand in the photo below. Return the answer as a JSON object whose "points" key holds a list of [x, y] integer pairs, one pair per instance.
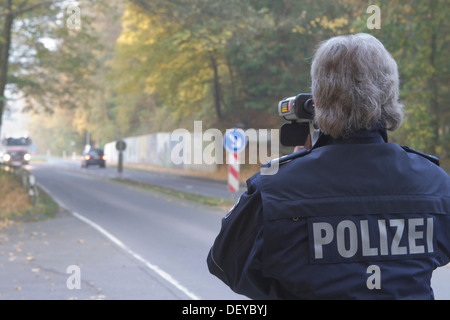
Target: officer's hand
{"points": [[308, 144]]}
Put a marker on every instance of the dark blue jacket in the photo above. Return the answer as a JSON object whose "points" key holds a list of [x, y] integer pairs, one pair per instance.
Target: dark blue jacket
{"points": [[355, 218]]}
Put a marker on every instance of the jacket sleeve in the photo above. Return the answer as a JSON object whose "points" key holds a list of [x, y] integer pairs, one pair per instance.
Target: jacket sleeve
{"points": [[235, 256]]}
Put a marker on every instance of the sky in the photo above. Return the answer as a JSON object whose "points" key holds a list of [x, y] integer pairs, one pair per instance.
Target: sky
{"points": [[14, 121]]}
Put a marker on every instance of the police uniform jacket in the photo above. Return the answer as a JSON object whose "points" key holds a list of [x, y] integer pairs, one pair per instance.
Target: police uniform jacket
{"points": [[354, 218]]}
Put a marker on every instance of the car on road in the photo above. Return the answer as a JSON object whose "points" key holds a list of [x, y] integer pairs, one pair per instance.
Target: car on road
{"points": [[15, 151], [94, 156]]}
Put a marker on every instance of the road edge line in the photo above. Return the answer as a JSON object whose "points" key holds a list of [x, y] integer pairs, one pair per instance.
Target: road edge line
{"points": [[164, 275]]}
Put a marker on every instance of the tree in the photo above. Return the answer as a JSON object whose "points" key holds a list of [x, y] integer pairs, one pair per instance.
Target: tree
{"points": [[10, 11], [274, 62], [238, 57], [47, 59], [417, 35], [227, 62], [188, 48]]}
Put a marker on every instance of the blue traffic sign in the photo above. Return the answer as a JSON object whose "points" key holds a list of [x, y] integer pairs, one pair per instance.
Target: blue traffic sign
{"points": [[234, 140]]}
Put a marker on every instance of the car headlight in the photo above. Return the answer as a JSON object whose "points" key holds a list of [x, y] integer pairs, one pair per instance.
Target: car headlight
{"points": [[6, 157], [27, 157]]}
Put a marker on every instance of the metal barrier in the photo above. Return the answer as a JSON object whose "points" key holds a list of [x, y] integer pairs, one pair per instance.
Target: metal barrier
{"points": [[27, 180]]}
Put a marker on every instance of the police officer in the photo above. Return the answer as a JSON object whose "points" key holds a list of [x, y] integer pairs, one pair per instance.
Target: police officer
{"points": [[353, 217]]}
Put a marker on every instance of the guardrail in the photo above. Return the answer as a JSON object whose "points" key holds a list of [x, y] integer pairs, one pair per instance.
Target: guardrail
{"points": [[27, 180]]}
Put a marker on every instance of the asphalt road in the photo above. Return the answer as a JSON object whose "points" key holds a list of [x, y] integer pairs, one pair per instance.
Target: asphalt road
{"points": [[197, 185], [169, 237]]}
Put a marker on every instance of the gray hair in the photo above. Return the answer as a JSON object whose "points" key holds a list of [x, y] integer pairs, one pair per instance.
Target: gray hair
{"points": [[355, 84]]}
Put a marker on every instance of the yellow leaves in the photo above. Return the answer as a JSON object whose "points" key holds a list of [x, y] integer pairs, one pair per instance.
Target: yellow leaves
{"points": [[322, 22], [134, 24], [333, 24], [126, 38], [80, 121], [298, 29]]}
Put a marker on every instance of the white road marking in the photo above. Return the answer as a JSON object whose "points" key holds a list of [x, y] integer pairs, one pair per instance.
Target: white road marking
{"points": [[120, 244]]}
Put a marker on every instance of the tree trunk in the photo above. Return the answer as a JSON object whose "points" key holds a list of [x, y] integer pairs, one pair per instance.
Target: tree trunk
{"points": [[434, 97], [433, 83], [4, 55], [216, 86], [233, 86]]}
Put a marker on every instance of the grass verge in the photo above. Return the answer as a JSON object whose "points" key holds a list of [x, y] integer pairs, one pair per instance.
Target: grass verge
{"points": [[210, 201], [16, 205]]}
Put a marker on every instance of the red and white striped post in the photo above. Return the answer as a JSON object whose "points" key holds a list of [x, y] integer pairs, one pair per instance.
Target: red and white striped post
{"points": [[234, 143], [233, 171]]}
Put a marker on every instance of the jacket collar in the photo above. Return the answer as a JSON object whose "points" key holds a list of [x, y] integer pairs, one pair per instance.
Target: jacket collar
{"points": [[378, 134]]}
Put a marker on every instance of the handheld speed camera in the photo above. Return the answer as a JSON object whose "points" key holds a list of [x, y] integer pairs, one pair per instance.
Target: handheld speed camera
{"points": [[299, 112]]}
